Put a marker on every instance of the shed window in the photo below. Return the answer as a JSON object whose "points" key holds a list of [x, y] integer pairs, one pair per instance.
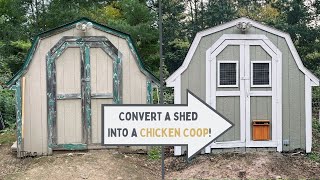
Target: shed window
{"points": [[228, 74], [260, 74]]}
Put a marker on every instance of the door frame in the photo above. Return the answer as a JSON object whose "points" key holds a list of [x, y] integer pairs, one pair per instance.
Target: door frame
{"points": [[84, 43], [244, 41]]}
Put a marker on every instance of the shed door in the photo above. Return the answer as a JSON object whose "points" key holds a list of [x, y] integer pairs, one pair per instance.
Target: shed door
{"points": [[101, 88], [69, 112], [82, 74], [243, 88], [72, 88]]}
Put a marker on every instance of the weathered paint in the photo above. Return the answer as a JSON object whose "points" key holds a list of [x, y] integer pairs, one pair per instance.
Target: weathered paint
{"points": [[70, 26], [133, 86], [102, 95], [70, 146], [18, 96], [149, 92], [117, 81], [84, 43], [87, 92], [68, 96]]}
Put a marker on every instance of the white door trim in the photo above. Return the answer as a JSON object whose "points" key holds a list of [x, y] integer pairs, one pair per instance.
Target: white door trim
{"points": [[201, 34], [245, 130]]}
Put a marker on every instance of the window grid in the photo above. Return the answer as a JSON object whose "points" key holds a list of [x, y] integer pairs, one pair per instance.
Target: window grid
{"points": [[228, 74], [261, 76]]}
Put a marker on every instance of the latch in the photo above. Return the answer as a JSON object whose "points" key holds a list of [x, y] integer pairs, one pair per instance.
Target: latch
{"points": [[244, 78]]}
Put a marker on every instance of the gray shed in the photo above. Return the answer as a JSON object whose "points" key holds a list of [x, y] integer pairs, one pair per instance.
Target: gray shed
{"points": [[253, 75], [69, 72]]}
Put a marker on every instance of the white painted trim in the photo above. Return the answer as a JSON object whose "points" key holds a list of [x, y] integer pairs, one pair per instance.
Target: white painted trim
{"points": [[245, 88], [247, 91], [262, 144], [260, 93], [251, 72], [229, 144], [258, 25], [237, 144], [242, 95], [177, 100], [177, 91], [237, 73], [277, 94], [227, 93], [308, 106]]}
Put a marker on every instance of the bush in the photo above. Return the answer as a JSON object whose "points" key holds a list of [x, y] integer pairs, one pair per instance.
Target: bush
{"points": [[155, 153], [7, 108]]}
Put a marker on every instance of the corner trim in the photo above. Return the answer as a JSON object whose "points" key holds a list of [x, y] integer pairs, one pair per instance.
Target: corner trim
{"points": [[18, 97], [308, 109]]}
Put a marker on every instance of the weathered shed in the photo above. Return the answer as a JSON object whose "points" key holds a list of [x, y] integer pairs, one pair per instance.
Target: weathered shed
{"points": [[69, 72], [253, 75]]}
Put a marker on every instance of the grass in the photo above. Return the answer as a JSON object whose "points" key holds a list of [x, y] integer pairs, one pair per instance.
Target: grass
{"points": [[7, 137], [315, 154], [155, 153]]}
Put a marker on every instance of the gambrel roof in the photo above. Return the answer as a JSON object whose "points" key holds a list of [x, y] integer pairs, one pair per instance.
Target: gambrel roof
{"points": [[71, 25], [170, 80]]}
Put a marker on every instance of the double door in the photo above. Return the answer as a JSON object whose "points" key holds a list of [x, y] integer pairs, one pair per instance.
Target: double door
{"points": [[82, 85], [243, 87]]}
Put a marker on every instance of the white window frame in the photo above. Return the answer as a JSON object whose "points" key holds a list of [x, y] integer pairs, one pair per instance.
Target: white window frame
{"points": [[237, 73], [270, 72]]}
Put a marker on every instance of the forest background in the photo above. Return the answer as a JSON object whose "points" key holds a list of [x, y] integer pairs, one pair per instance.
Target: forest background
{"points": [[22, 20]]}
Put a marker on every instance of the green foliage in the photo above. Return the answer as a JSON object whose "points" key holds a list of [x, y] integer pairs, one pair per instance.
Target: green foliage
{"points": [[21, 20], [155, 153], [7, 108], [7, 136], [314, 156], [21, 44]]}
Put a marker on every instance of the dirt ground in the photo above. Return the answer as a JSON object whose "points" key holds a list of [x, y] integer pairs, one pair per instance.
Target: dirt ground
{"points": [[257, 165], [112, 164], [95, 164]]}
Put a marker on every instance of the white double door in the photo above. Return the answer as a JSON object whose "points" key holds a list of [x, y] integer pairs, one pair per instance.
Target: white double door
{"points": [[245, 84]]}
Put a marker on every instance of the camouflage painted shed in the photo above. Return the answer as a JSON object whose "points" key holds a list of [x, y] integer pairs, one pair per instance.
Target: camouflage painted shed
{"points": [[252, 74], [69, 72]]}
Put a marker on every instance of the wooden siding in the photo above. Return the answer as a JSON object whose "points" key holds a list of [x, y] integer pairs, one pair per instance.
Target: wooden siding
{"points": [[35, 123], [101, 83], [230, 53], [230, 108], [293, 116], [260, 109], [69, 125], [96, 118], [68, 71], [257, 53], [101, 71]]}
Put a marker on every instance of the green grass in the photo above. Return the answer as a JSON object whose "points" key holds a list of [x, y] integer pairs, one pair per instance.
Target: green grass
{"points": [[7, 137], [315, 154], [155, 153]]}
